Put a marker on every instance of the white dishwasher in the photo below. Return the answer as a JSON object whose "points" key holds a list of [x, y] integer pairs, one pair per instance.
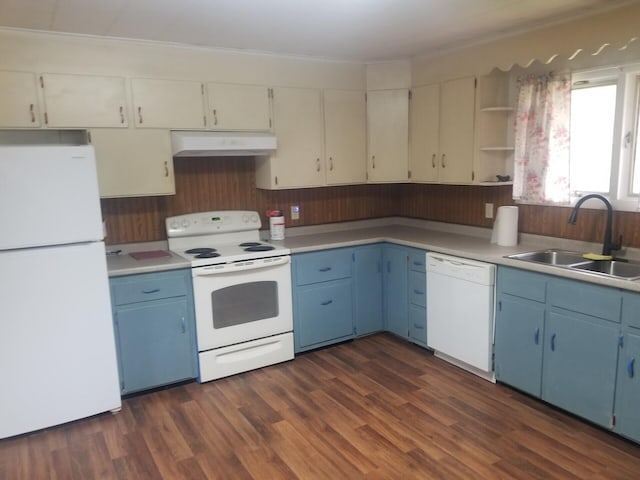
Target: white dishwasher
{"points": [[460, 312]]}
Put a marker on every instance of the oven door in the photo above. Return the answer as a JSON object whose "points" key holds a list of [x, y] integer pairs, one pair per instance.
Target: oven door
{"points": [[242, 301]]}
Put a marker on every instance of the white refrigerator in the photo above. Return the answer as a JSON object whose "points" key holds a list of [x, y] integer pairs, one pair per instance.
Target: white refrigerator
{"points": [[57, 349]]}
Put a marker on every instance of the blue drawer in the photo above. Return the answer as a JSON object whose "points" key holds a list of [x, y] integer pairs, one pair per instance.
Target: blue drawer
{"points": [[585, 298], [521, 283], [418, 288], [322, 266], [143, 288], [417, 260], [631, 309]]}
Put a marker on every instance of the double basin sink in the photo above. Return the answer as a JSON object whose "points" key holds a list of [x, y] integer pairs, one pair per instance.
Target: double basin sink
{"points": [[575, 261]]}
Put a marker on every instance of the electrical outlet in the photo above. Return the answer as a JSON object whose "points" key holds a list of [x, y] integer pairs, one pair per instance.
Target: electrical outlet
{"points": [[488, 210], [295, 212]]}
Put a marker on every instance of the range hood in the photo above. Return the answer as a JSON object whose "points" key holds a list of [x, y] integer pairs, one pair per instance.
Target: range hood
{"points": [[222, 144]]}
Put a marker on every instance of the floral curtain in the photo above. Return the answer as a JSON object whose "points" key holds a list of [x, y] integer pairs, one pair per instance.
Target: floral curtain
{"points": [[541, 171]]}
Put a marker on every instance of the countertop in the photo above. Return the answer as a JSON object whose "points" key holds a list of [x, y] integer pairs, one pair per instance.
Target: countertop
{"points": [[457, 240]]}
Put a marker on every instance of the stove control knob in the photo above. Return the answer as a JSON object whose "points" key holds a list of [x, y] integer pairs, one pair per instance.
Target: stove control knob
{"points": [[185, 223], [174, 225], [245, 218], [255, 218]]}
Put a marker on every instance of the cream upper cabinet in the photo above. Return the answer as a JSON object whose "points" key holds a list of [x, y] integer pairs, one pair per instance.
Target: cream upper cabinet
{"points": [[388, 135], [442, 132], [133, 162], [238, 107], [425, 133], [18, 100], [83, 100], [297, 122], [345, 136], [161, 103]]}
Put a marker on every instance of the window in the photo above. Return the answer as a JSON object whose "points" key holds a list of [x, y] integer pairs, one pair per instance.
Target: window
{"points": [[604, 156]]}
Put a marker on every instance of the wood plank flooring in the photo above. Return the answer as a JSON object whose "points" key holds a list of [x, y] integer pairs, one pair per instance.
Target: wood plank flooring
{"points": [[374, 408]]}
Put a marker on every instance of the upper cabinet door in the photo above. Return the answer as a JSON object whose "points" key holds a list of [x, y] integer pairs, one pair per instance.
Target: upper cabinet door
{"points": [[168, 103], [84, 100], [388, 135], [238, 107], [425, 133], [297, 116], [457, 108], [18, 100], [345, 136]]}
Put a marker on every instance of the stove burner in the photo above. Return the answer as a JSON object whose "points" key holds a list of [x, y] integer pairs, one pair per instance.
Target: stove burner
{"points": [[259, 248], [250, 244], [201, 250], [208, 255]]}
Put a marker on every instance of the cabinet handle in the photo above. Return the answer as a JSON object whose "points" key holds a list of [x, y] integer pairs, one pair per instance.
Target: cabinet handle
{"points": [[140, 115], [373, 161], [433, 161], [324, 269], [630, 366], [317, 164], [536, 336], [331, 164], [553, 342], [326, 302], [121, 114], [442, 161], [418, 264], [417, 326], [215, 117], [31, 111], [418, 292], [166, 169], [184, 326], [155, 290]]}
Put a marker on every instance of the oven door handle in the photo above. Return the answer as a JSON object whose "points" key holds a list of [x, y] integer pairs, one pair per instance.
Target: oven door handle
{"points": [[241, 266]]}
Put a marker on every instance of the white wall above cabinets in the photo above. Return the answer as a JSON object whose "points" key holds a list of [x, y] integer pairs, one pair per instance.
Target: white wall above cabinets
{"points": [[238, 107], [159, 103], [388, 135], [345, 136], [80, 101], [442, 132], [19, 100], [133, 162]]}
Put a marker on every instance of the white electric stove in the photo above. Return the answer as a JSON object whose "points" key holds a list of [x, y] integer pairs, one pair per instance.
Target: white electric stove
{"points": [[242, 291]]}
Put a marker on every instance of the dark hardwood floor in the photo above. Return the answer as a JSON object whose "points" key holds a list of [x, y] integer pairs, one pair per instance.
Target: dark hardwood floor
{"points": [[374, 408]]}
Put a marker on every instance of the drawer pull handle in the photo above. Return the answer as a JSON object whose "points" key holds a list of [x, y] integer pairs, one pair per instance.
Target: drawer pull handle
{"points": [[184, 326], [553, 342], [418, 292], [326, 302], [630, 369], [418, 326], [324, 269], [147, 292], [418, 264], [536, 336]]}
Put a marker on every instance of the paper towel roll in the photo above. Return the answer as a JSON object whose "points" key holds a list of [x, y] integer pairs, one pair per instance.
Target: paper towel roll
{"points": [[505, 228]]}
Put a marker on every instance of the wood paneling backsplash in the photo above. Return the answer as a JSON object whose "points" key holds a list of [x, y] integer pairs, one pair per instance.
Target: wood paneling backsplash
{"points": [[229, 184]]}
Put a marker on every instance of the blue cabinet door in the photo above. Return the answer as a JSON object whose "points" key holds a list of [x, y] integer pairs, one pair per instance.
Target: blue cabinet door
{"points": [[156, 344], [394, 274], [627, 407], [418, 324], [323, 313], [579, 366], [519, 333], [368, 289]]}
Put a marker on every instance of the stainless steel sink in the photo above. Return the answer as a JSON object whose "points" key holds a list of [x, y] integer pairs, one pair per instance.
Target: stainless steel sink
{"points": [[575, 261], [550, 257], [613, 268]]}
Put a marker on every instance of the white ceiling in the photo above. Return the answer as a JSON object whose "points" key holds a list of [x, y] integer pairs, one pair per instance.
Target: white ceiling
{"points": [[356, 30]]}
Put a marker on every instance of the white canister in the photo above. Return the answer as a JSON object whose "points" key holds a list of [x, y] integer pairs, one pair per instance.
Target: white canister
{"points": [[276, 226]]}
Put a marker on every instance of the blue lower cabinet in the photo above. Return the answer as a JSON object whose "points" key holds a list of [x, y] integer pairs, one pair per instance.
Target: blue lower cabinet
{"points": [[368, 289], [519, 334], [579, 366], [154, 325], [394, 275], [418, 324], [627, 406]]}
